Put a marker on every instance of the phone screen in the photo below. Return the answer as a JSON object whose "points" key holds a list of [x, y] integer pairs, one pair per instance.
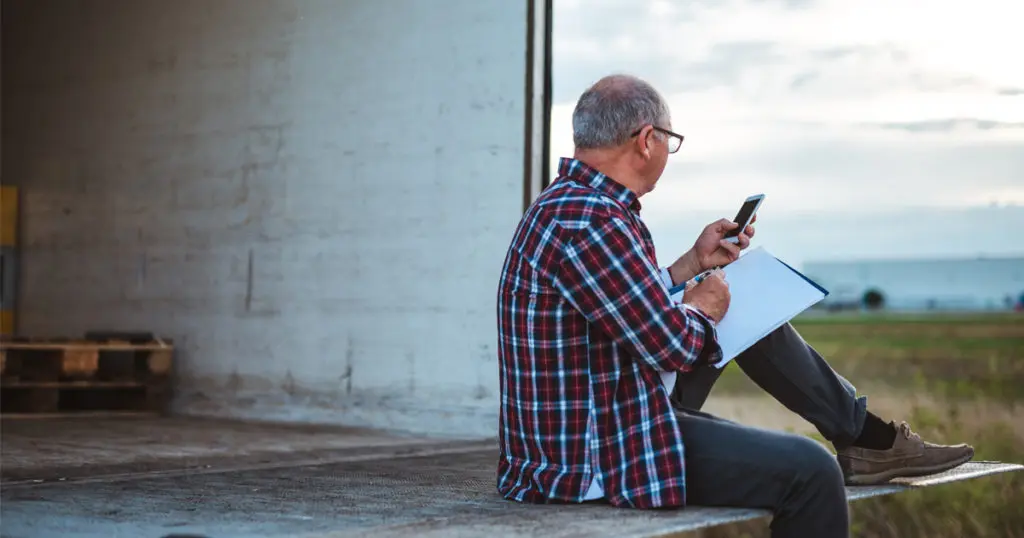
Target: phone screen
{"points": [[746, 211]]}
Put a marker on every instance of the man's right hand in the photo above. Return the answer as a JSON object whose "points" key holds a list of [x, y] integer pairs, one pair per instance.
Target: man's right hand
{"points": [[711, 295]]}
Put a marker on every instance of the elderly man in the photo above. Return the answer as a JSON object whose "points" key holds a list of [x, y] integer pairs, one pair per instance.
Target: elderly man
{"points": [[603, 375]]}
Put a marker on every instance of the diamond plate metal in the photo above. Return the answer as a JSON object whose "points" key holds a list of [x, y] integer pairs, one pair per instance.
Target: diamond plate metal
{"points": [[973, 469]]}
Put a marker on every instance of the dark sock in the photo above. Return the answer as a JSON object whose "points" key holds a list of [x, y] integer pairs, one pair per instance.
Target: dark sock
{"points": [[876, 434]]}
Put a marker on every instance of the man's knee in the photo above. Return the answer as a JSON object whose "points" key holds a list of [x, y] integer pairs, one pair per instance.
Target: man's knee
{"points": [[814, 501], [816, 466]]}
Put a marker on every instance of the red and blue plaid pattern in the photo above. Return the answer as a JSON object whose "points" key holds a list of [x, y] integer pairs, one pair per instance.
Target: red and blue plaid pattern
{"points": [[585, 325]]}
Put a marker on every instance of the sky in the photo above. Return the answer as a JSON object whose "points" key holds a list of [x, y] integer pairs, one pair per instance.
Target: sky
{"points": [[875, 128]]}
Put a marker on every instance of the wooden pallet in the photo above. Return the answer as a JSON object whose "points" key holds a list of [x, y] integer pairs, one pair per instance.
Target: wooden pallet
{"points": [[47, 376]]}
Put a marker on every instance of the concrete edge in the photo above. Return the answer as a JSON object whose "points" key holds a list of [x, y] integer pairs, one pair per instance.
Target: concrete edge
{"points": [[308, 459]]}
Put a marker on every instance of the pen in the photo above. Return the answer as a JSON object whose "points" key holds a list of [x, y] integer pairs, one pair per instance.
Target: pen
{"points": [[697, 279]]}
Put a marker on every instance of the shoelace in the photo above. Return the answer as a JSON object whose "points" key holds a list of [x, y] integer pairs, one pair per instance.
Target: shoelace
{"points": [[907, 432]]}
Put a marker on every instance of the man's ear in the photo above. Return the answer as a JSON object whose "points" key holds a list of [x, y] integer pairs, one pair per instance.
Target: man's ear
{"points": [[643, 141]]}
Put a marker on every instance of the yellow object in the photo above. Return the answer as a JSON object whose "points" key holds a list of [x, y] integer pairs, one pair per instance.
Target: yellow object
{"points": [[7, 322], [8, 216], [8, 240]]}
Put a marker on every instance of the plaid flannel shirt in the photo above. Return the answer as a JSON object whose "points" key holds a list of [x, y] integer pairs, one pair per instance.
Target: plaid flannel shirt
{"points": [[585, 328]]}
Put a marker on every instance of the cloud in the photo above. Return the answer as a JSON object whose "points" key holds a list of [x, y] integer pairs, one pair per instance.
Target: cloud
{"points": [[804, 79], [837, 108], [911, 232], [857, 70], [788, 4], [886, 51], [939, 82], [950, 124], [849, 177], [746, 66], [827, 49]]}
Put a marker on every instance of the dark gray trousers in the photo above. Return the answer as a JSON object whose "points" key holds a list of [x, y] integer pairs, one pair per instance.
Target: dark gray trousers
{"points": [[728, 464]]}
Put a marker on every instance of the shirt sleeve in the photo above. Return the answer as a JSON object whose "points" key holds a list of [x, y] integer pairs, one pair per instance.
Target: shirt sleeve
{"points": [[607, 276], [666, 277]]}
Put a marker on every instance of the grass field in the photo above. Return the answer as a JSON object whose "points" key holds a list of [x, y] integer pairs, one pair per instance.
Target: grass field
{"points": [[955, 378]]}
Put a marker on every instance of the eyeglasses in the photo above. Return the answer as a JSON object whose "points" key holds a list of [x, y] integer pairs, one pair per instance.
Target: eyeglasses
{"points": [[675, 140]]}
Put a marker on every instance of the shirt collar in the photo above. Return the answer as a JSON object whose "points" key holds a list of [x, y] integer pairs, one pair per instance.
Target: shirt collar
{"points": [[581, 172]]}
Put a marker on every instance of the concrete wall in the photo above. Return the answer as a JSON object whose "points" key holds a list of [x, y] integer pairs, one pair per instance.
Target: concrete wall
{"points": [[312, 197]]}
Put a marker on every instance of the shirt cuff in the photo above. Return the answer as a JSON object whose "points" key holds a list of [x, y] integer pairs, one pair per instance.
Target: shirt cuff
{"points": [[711, 353], [666, 277]]}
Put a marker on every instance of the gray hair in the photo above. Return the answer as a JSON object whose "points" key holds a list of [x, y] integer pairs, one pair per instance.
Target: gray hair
{"points": [[613, 108]]}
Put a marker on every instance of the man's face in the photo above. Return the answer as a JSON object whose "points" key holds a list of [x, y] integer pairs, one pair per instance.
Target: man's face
{"points": [[659, 157], [659, 144]]}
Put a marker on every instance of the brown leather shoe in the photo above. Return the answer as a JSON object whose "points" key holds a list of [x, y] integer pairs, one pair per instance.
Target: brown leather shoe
{"points": [[909, 456]]}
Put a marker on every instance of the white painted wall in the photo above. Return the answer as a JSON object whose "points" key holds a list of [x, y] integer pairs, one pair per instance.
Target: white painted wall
{"points": [[940, 284], [312, 197]]}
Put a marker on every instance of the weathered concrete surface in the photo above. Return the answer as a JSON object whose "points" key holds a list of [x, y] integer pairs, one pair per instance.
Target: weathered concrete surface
{"points": [[447, 494], [443, 495], [312, 197], [393, 489], [54, 449]]}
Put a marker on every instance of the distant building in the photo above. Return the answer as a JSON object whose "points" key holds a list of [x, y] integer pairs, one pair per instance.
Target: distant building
{"points": [[922, 284]]}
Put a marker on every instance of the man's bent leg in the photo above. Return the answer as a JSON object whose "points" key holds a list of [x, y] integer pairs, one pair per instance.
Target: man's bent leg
{"points": [[869, 450], [789, 369], [692, 388], [793, 476]]}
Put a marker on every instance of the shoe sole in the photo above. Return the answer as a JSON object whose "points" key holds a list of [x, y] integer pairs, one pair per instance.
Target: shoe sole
{"points": [[886, 476]]}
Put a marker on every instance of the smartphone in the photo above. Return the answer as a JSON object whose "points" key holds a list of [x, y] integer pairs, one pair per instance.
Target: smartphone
{"points": [[744, 216]]}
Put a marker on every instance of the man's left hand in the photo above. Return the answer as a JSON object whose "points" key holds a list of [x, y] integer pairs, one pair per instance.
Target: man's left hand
{"points": [[711, 250]]}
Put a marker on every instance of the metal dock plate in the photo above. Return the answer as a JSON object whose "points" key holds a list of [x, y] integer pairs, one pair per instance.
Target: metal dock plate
{"points": [[973, 469]]}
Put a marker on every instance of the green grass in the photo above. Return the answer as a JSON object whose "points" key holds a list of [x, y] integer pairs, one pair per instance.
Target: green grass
{"points": [[982, 508], [869, 318], [960, 363], [949, 356]]}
